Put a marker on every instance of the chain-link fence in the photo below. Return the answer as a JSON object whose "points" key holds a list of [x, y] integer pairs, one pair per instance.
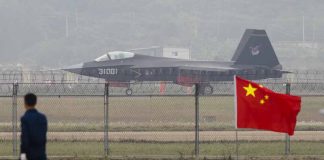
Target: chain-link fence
{"points": [[157, 120]]}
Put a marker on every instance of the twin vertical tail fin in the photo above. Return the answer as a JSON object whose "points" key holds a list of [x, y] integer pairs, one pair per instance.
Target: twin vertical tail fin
{"points": [[255, 49]]}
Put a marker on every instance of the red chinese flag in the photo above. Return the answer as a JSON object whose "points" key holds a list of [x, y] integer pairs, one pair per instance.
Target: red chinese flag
{"points": [[260, 108]]}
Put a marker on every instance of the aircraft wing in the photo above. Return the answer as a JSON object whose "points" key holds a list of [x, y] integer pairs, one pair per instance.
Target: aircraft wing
{"points": [[206, 68], [194, 67]]}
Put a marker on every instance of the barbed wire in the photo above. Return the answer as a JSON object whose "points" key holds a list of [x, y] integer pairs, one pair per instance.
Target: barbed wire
{"points": [[149, 89], [59, 76]]}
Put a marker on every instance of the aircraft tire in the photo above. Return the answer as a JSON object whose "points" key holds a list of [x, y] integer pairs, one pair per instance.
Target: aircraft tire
{"points": [[129, 92], [207, 90]]}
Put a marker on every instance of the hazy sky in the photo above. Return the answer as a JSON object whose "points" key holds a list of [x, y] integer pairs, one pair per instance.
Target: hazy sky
{"points": [[59, 33]]}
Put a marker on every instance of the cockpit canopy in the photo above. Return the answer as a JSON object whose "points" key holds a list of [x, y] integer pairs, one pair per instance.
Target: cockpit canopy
{"points": [[115, 55]]}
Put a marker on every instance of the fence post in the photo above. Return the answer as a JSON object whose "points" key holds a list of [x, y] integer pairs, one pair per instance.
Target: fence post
{"points": [[14, 119], [287, 146], [106, 119], [197, 88]]}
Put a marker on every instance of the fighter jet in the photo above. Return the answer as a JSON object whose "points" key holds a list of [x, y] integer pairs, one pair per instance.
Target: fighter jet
{"points": [[253, 59]]}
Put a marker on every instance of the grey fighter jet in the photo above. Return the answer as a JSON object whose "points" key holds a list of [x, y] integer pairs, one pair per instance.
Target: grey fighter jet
{"points": [[254, 59]]}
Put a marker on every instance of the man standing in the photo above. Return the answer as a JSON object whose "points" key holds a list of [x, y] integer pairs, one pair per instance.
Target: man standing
{"points": [[33, 131]]}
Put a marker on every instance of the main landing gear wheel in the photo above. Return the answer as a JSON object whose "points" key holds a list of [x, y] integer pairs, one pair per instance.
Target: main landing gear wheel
{"points": [[206, 89], [129, 92]]}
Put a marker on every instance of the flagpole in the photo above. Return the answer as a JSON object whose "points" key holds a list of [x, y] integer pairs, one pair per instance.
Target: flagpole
{"points": [[235, 121], [236, 146], [287, 148], [235, 102], [287, 137]]}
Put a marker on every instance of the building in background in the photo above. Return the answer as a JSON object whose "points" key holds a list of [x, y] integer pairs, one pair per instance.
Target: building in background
{"points": [[158, 51]]}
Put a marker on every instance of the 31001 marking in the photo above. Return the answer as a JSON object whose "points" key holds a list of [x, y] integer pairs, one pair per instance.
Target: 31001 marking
{"points": [[108, 71]]}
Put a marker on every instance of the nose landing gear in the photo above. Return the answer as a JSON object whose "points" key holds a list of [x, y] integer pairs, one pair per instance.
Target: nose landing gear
{"points": [[206, 89], [129, 91]]}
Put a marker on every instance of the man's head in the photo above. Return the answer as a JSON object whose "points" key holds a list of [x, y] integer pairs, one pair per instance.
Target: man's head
{"points": [[30, 100]]}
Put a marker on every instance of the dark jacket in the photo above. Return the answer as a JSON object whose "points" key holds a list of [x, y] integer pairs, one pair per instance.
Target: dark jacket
{"points": [[33, 135]]}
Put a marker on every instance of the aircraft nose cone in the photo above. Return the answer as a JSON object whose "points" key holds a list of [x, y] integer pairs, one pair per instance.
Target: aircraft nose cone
{"points": [[77, 68]]}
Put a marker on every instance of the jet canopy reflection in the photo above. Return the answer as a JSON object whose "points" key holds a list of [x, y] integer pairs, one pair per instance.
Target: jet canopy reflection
{"points": [[115, 55]]}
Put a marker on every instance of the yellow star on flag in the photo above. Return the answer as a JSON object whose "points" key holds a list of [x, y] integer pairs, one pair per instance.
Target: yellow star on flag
{"points": [[250, 90], [266, 97]]}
